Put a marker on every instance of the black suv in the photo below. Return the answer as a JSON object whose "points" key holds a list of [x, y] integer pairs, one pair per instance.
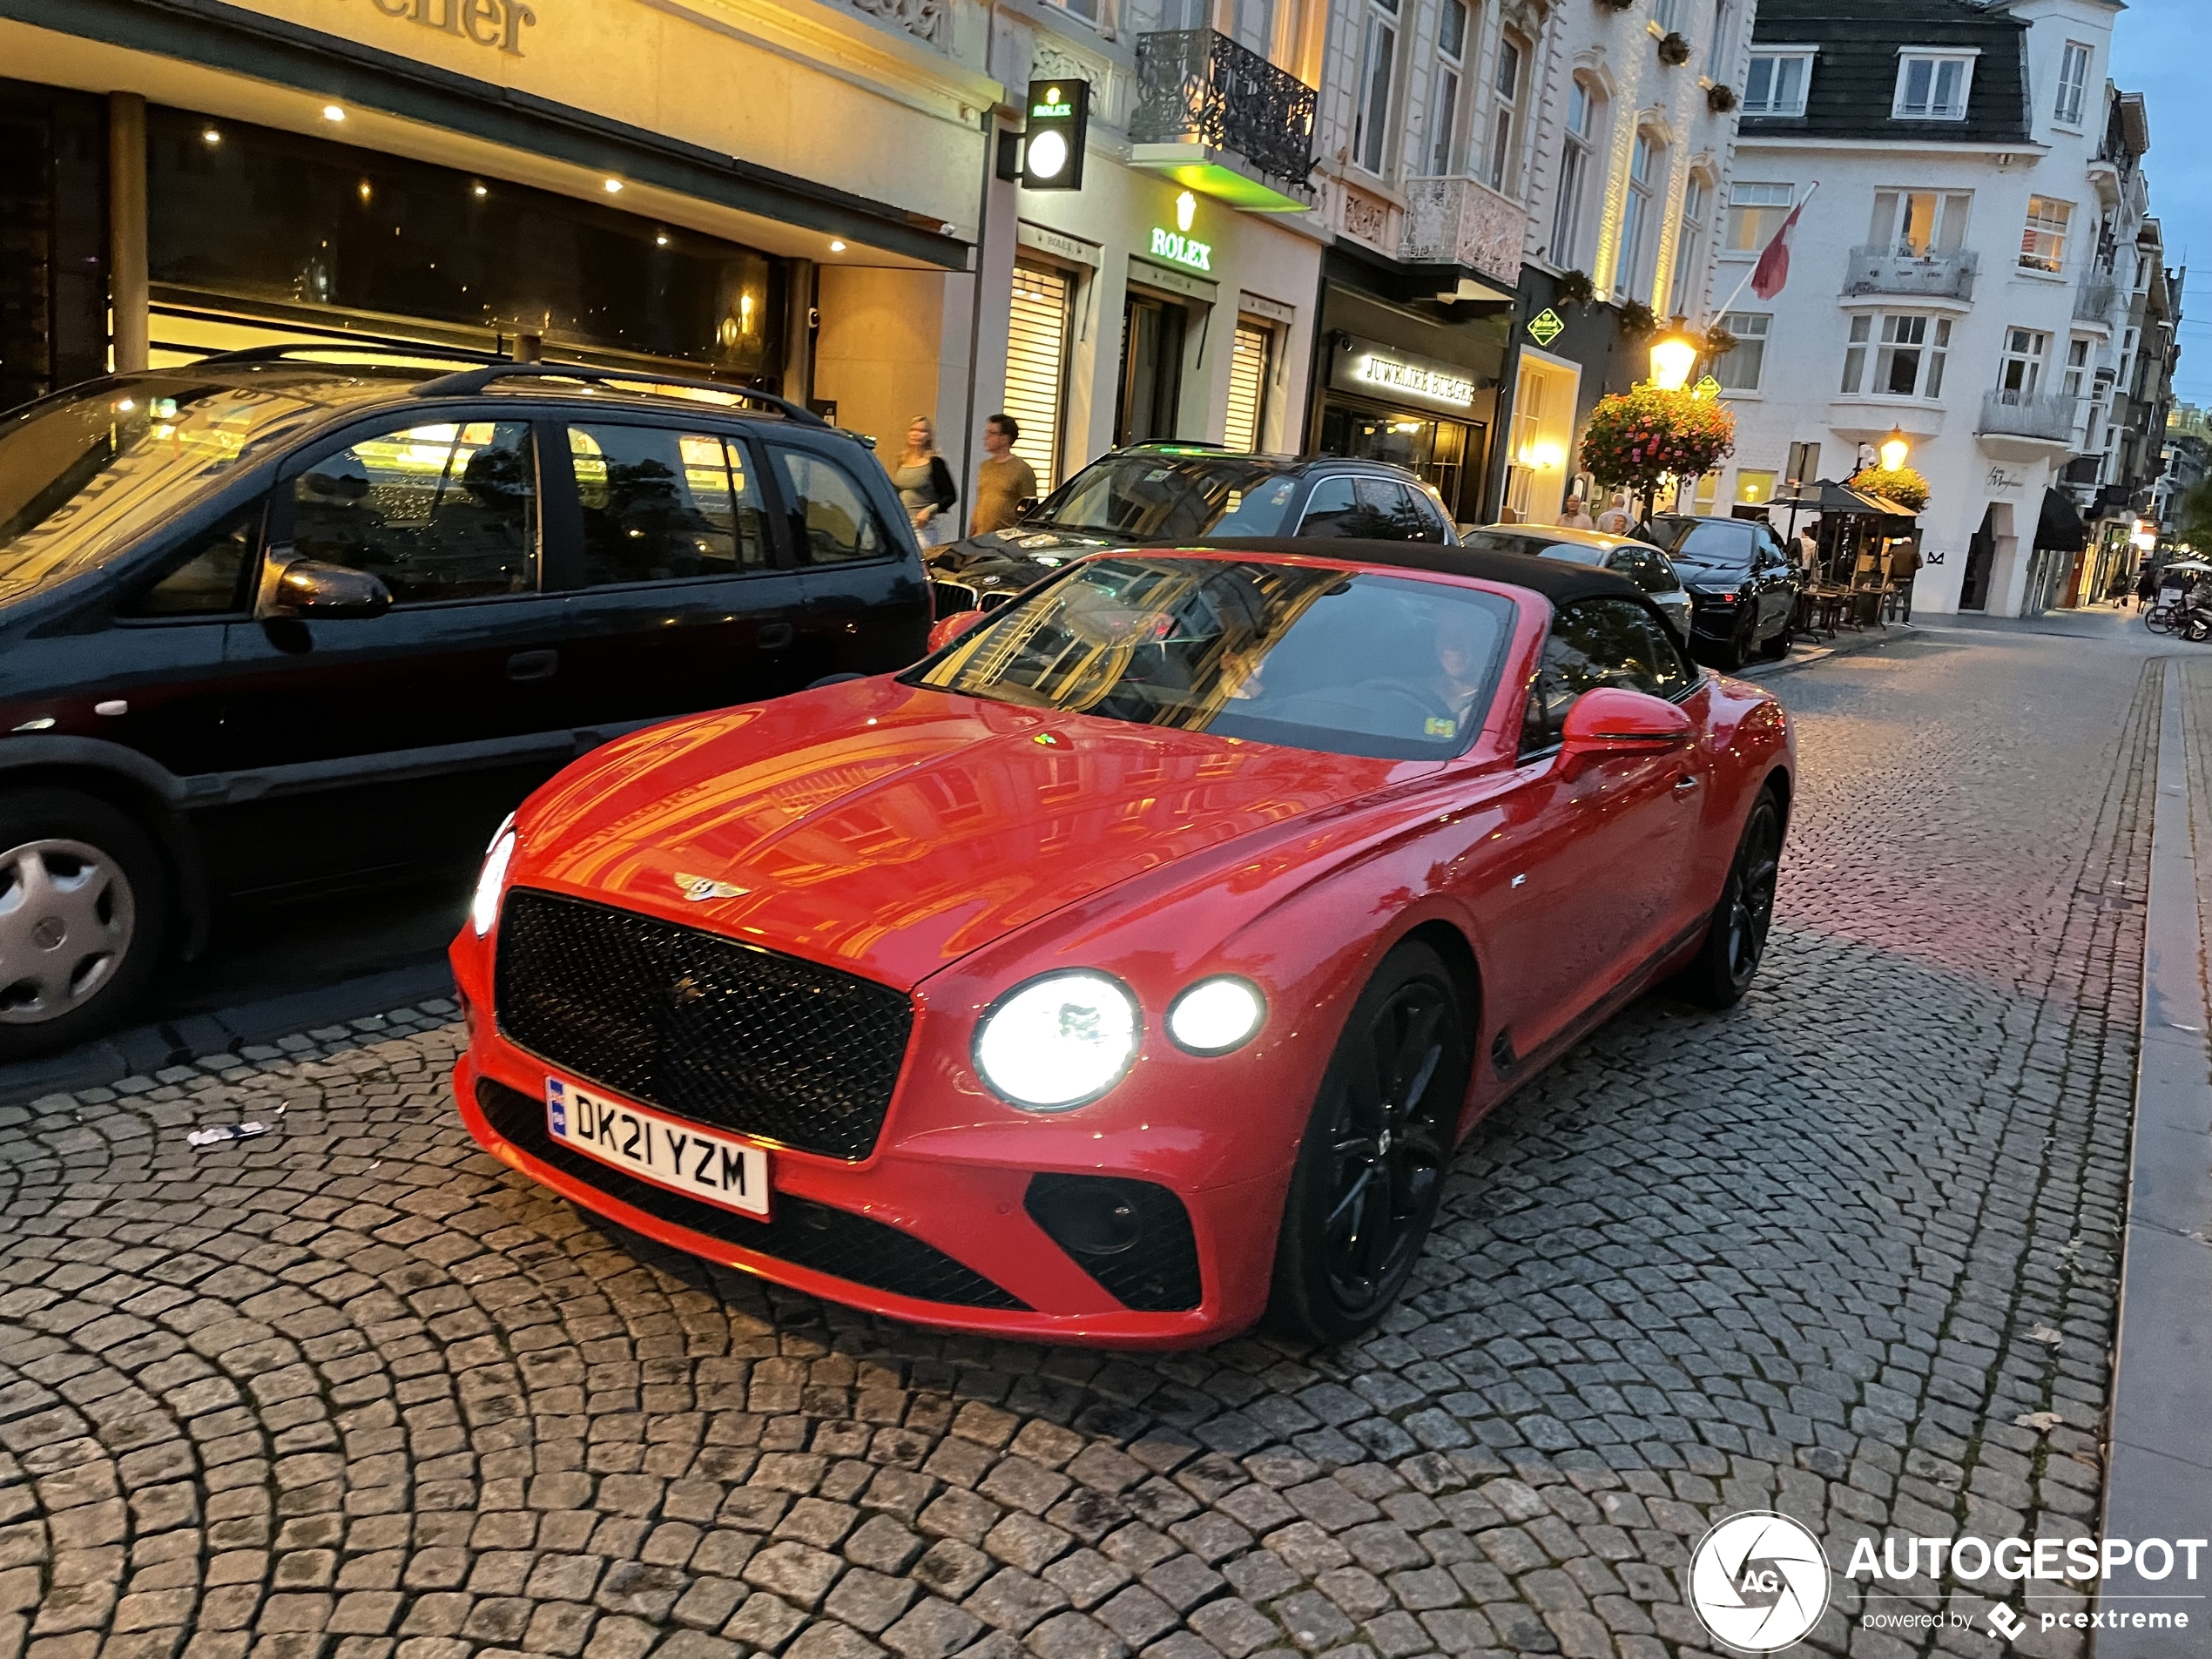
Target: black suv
{"points": [[301, 616], [1161, 495], [1743, 586]]}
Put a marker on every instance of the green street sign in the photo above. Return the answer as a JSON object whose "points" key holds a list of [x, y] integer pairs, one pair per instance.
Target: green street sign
{"points": [[1708, 388], [1545, 326]]}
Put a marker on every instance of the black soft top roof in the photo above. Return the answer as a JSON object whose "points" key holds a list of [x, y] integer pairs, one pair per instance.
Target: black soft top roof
{"points": [[1558, 581]]}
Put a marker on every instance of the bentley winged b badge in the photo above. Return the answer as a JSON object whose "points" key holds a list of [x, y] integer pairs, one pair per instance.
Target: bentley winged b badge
{"points": [[699, 888]]}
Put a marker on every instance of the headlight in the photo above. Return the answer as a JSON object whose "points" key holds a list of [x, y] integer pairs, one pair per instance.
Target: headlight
{"points": [[1058, 1041], [483, 909], [1216, 1015]]}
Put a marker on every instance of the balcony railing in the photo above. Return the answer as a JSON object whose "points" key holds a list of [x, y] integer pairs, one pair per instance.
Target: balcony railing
{"points": [[1463, 222], [2095, 298], [1196, 86], [2045, 416], [1881, 269]]}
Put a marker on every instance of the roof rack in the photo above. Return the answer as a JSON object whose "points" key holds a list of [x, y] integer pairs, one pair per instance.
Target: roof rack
{"points": [[365, 346], [469, 380]]}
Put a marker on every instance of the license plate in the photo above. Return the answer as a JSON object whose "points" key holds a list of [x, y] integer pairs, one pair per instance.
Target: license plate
{"points": [[681, 1157]]}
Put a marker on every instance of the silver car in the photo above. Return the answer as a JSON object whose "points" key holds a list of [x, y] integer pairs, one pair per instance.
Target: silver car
{"points": [[1640, 561]]}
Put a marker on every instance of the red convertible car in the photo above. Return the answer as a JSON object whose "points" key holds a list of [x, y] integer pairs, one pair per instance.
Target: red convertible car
{"points": [[1129, 969]]}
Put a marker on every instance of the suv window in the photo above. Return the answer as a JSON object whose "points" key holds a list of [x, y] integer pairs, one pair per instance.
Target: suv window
{"points": [[436, 512], [207, 578], [661, 504], [831, 520], [1649, 571], [1368, 509], [1594, 643]]}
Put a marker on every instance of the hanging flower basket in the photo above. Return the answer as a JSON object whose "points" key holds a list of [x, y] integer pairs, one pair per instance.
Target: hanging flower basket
{"points": [[1637, 319], [1615, 5], [1639, 439], [1720, 100], [1674, 50], [1576, 289], [1904, 485], [1718, 342]]}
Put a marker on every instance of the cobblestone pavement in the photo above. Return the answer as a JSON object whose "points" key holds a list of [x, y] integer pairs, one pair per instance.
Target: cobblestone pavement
{"points": [[354, 1391]]}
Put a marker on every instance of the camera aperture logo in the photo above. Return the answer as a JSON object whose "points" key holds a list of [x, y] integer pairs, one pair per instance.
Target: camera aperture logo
{"points": [[1759, 1581]]}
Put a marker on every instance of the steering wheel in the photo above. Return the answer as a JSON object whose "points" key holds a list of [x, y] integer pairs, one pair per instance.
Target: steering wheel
{"points": [[1415, 696]]}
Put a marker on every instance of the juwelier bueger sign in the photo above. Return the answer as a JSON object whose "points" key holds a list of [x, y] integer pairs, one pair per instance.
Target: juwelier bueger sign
{"points": [[489, 23], [1428, 382]]}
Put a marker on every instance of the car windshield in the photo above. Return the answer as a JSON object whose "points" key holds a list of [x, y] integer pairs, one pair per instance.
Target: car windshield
{"points": [[85, 473], [1391, 667], [1171, 498], [1707, 544], [1502, 542]]}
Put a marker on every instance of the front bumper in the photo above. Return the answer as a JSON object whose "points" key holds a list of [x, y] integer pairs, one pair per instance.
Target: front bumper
{"points": [[915, 1231]]}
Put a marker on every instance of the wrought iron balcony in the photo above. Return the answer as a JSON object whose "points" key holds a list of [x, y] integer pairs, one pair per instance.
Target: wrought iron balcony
{"points": [[1199, 89], [1883, 269], [2046, 417], [1463, 222]]}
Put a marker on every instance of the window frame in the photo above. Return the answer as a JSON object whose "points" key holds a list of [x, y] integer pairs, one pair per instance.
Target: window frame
{"points": [[1937, 59], [203, 523], [1768, 109], [1644, 201], [772, 517], [2031, 359], [1579, 149], [1691, 220], [2073, 87], [2031, 258], [1506, 137], [1874, 338], [1747, 335], [1447, 94], [1371, 130], [1728, 248]]}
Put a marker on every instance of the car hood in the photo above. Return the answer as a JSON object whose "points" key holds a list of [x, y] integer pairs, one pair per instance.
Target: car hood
{"points": [[891, 830]]}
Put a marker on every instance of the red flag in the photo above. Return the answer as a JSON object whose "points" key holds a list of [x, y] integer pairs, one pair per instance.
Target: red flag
{"points": [[1773, 268]]}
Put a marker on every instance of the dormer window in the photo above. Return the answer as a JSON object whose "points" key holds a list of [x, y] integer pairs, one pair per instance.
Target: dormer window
{"points": [[1933, 85], [1776, 82]]}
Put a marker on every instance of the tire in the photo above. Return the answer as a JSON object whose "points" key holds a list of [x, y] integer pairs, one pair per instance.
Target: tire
{"points": [[1778, 647], [2158, 619], [2198, 628], [84, 909], [1736, 939], [1344, 1252], [1731, 655]]}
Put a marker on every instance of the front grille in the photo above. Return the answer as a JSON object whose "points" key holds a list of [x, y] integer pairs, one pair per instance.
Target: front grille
{"points": [[807, 1234], [950, 598], [1133, 1237], [726, 1034]]}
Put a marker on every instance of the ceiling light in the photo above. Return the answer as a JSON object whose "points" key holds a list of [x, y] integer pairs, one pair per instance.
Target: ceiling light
{"points": [[837, 247], [614, 186], [209, 135], [479, 192], [661, 240], [332, 112]]}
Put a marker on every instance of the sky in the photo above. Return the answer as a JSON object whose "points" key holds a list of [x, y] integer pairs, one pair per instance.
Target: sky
{"points": [[2158, 49]]}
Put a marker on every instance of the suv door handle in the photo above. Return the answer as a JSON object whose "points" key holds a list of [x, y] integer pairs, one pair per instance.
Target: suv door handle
{"points": [[1684, 784], [533, 664], [774, 636]]}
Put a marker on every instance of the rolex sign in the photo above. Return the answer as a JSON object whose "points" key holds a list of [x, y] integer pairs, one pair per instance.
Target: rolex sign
{"points": [[1052, 155]]}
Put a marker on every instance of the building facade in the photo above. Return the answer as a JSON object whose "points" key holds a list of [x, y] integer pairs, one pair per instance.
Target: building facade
{"points": [[1964, 272]]}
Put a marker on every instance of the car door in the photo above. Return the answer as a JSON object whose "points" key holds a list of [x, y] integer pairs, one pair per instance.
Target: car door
{"points": [[865, 609], [677, 593], [1599, 851], [361, 743], [1777, 581]]}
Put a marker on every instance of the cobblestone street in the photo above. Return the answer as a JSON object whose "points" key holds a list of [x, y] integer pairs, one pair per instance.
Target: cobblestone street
{"points": [[355, 1391]]}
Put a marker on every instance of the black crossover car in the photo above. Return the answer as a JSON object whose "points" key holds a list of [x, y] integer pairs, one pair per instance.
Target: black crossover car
{"points": [[1158, 494], [1743, 586], [1635, 559], [275, 621]]}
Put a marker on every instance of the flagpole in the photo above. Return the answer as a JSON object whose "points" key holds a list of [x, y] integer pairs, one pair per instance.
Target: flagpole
{"points": [[1754, 271]]}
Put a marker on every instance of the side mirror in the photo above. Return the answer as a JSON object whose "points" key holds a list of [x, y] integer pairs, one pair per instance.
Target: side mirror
{"points": [[1613, 720], [1023, 508], [310, 588], [948, 629]]}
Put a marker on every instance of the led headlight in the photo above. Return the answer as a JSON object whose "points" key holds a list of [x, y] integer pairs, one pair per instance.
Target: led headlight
{"points": [[491, 882], [1216, 1015], [1058, 1041]]}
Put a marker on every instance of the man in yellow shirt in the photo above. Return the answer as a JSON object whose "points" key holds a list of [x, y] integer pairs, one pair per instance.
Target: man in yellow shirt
{"points": [[1004, 481]]}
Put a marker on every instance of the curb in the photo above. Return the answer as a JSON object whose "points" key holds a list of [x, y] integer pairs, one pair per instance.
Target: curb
{"points": [[1843, 645], [150, 1049]]}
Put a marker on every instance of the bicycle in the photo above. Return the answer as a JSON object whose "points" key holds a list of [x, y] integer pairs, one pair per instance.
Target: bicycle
{"points": [[2181, 616]]}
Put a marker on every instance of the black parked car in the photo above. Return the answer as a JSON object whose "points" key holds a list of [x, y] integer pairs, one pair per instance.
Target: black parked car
{"points": [[1639, 561], [1743, 586], [269, 622], [1160, 495]]}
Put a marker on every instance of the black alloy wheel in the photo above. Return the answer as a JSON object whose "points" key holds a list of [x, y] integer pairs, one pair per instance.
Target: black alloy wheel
{"points": [[1736, 939], [1371, 1168], [1732, 653]]}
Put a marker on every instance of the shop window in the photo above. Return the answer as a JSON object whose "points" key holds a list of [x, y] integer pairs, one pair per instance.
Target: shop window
{"points": [[1037, 366], [2043, 240], [831, 521], [2074, 84], [1745, 365], [661, 504], [1754, 214], [208, 577], [1896, 354], [1932, 87], [433, 512], [1585, 121], [1777, 81], [1755, 486], [1150, 400], [1249, 363]]}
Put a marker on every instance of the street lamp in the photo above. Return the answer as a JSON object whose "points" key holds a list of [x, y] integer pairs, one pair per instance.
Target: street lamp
{"points": [[1673, 356], [1895, 449]]}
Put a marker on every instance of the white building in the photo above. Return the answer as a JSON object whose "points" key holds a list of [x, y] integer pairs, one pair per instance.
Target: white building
{"points": [[1963, 271]]}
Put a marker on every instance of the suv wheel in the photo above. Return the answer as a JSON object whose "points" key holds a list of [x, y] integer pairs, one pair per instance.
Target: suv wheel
{"points": [[83, 914]]}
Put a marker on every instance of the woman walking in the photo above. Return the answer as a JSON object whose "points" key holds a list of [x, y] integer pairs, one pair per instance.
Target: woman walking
{"points": [[926, 484]]}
